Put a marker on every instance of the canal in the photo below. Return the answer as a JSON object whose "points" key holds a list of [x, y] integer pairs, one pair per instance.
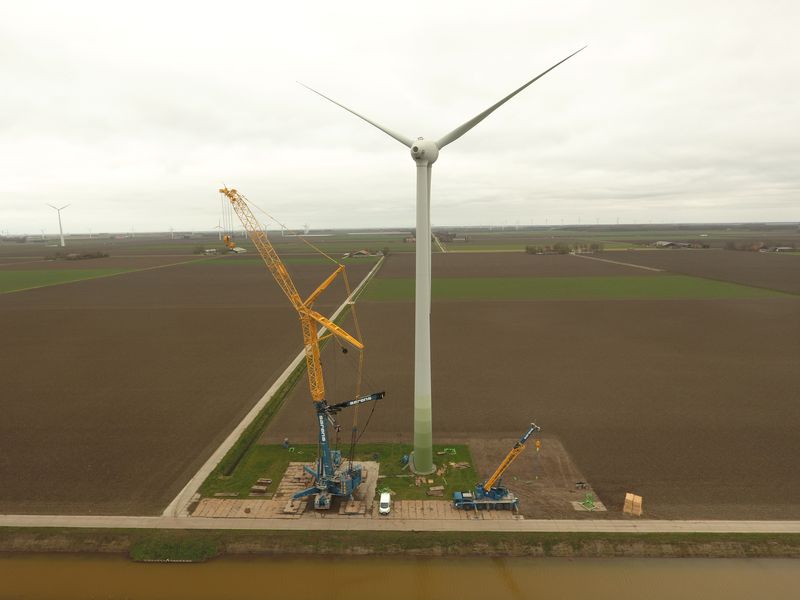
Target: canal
{"points": [[68, 577]]}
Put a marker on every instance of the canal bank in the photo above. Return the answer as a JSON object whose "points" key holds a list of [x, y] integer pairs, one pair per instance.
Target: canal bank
{"points": [[200, 545]]}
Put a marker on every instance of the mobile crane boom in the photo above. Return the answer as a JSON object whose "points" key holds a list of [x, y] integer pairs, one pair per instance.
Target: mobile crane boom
{"points": [[328, 478], [510, 457], [309, 318], [491, 494]]}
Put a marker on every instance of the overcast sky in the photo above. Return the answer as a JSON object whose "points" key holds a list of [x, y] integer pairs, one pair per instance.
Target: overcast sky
{"points": [[137, 112]]}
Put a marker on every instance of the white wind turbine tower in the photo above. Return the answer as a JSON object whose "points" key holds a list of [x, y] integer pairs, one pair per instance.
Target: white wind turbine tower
{"points": [[424, 152], [60, 230]]}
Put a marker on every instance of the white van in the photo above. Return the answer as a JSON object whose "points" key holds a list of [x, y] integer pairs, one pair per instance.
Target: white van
{"points": [[385, 503]]}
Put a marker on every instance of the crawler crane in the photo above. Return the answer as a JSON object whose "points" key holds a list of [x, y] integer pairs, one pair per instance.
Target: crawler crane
{"points": [[492, 494], [330, 478]]}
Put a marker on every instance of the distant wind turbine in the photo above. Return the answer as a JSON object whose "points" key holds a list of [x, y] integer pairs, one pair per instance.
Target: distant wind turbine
{"points": [[424, 152], [60, 229]]}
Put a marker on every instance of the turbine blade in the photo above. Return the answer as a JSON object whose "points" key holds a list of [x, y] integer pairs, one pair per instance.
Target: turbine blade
{"points": [[399, 137], [461, 130]]}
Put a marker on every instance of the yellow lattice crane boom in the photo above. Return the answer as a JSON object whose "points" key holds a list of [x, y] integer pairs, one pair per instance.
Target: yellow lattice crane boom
{"points": [[309, 318], [510, 457]]}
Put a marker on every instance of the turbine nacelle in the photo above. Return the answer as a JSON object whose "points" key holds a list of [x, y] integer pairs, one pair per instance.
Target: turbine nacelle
{"points": [[424, 151]]}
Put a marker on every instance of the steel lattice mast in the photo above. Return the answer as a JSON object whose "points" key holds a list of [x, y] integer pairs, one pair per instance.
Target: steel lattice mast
{"points": [[309, 318]]}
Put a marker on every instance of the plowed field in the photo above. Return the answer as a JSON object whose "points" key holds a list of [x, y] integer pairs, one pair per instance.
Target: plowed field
{"points": [[691, 403], [511, 264], [771, 270], [116, 390]]}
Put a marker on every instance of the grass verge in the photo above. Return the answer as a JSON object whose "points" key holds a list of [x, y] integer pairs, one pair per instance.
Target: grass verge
{"points": [[237, 452], [167, 546], [658, 287], [148, 544], [14, 281], [291, 260]]}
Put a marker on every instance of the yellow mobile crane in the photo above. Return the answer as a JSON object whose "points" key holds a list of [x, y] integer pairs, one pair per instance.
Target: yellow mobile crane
{"points": [[492, 494], [329, 479]]}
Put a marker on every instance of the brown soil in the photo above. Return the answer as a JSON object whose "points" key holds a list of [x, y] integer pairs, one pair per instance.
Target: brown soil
{"points": [[691, 404], [116, 390], [111, 262], [761, 269], [544, 481], [507, 264], [7, 262], [143, 245], [137, 246]]}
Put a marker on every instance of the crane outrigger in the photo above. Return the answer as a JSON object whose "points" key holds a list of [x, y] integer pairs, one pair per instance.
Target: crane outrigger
{"points": [[330, 478]]}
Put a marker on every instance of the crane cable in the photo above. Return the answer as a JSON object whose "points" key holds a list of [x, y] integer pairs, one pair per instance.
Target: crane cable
{"points": [[330, 258], [360, 368]]}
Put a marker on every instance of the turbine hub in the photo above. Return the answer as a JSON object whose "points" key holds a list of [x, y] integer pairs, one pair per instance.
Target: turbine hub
{"points": [[425, 151]]}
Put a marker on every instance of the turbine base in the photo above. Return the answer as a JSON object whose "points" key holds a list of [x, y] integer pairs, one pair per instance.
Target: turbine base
{"points": [[413, 469]]}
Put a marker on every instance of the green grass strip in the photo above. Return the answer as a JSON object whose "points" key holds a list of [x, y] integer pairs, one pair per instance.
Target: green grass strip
{"points": [[518, 245], [13, 281], [168, 547], [289, 260], [152, 544], [252, 432], [662, 287], [270, 461]]}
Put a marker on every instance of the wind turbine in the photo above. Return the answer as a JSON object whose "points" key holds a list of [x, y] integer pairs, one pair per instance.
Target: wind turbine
{"points": [[424, 152], [60, 230], [219, 232]]}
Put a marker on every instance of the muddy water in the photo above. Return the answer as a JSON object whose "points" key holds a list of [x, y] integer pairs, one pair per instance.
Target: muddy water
{"points": [[104, 577]]}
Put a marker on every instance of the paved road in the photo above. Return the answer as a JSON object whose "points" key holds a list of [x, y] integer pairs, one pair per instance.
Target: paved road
{"points": [[377, 524]]}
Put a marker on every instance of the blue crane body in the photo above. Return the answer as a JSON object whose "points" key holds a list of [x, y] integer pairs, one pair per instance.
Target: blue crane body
{"points": [[329, 479]]}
